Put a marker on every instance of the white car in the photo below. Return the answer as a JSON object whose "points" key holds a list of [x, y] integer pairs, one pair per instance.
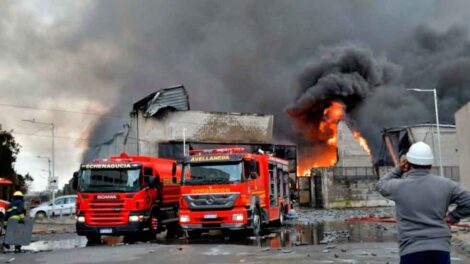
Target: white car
{"points": [[63, 205]]}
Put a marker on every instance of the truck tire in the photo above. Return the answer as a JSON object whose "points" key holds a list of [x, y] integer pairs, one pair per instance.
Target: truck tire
{"points": [[173, 230], [257, 222], [194, 234], [93, 239], [130, 239], [282, 217], [154, 227]]}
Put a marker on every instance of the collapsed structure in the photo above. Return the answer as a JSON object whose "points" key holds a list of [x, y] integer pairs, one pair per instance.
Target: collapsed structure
{"points": [[163, 125]]}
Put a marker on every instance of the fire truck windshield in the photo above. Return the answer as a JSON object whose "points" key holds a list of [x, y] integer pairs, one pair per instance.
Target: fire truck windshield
{"points": [[112, 180], [212, 173]]}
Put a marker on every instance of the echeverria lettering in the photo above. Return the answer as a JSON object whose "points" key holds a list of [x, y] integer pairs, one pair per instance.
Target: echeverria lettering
{"points": [[108, 166]]}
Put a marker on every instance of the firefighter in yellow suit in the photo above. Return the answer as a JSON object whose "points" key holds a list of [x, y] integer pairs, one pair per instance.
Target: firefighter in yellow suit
{"points": [[15, 211]]}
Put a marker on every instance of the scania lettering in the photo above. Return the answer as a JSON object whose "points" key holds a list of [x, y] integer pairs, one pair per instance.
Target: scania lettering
{"points": [[134, 196], [230, 189]]}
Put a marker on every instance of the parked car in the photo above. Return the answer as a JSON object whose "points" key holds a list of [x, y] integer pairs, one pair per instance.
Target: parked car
{"points": [[63, 205]]}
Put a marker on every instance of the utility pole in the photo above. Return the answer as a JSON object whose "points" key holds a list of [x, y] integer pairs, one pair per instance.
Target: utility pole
{"points": [[52, 179], [434, 91]]}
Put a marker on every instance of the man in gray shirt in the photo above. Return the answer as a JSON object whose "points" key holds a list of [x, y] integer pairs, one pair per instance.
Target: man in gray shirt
{"points": [[422, 202]]}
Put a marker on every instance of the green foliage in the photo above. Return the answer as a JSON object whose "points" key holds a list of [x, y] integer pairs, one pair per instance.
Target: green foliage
{"points": [[9, 150], [22, 182]]}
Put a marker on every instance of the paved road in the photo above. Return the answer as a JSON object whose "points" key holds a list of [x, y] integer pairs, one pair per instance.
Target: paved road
{"points": [[156, 253], [300, 242], [214, 252]]}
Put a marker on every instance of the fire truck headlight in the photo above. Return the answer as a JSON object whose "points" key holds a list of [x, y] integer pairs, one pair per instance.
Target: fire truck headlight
{"points": [[237, 217], [184, 218], [136, 218], [81, 219]]}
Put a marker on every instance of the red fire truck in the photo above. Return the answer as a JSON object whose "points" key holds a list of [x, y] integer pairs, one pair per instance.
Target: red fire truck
{"points": [[230, 189], [6, 190], [134, 196]]}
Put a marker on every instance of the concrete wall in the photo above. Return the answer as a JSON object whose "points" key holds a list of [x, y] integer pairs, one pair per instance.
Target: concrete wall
{"points": [[345, 191], [462, 121], [116, 145], [350, 152], [201, 126], [144, 134], [449, 143], [351, 183]]}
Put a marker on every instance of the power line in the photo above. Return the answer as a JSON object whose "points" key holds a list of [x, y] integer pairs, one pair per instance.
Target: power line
{"points": [[61, 137], [62, 111]]}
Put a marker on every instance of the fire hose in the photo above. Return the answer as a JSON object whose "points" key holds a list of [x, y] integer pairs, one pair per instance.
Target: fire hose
{"points": [[387, 219]]}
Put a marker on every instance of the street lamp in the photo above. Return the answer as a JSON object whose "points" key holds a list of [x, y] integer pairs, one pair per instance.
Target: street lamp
{"points": [[49, 164], [437, 124], [52, 126]]}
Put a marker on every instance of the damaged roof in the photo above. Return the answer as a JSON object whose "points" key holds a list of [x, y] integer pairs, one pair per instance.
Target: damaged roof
{"points": [[169, 98], [402, 128]]}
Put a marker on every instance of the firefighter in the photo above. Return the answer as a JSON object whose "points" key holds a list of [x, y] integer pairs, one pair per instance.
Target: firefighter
{"points": [[15, 211], [422, 201]]}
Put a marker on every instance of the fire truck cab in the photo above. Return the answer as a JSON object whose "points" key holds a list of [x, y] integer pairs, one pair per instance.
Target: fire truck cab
{"points": [[134, 196], [230, 189], [6, 190]]}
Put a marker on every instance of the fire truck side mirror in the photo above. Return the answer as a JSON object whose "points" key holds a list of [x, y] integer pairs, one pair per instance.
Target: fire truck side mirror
{"points": [[173, 172], [253, 169], [152, 183], [75, 181]]}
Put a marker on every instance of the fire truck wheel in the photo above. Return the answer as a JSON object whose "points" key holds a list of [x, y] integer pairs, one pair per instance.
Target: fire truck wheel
{"points": [[93, 239], [154, 224], [130, 239], [147, 236], [194, 234], [173, 230], [282, 216], [256, 222]]}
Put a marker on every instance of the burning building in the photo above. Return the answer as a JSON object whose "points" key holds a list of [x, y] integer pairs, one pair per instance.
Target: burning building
{"points": [[163, 125], [346, 96], [350, 181]]}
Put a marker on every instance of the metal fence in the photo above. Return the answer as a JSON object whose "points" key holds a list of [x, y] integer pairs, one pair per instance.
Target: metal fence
{"points": [[451, 172], [370, 173]]}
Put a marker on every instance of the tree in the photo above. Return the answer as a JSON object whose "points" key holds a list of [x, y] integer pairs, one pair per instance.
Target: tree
{"points": [[9, 150], [23, 182]]}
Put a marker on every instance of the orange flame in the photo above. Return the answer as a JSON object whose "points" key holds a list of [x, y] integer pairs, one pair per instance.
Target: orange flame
{"points": [[325, 153], [362, 141]]}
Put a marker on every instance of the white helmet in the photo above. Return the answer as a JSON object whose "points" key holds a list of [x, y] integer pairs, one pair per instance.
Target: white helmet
{"points": [[420, 154]]}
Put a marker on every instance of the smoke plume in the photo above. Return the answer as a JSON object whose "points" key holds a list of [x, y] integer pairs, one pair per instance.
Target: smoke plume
{"points": [[374, 90], [241, 56], [348, 74]]}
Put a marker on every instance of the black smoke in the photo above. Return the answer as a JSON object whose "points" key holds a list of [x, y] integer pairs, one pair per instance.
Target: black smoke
{"points": [[349, 74], [375, 90], [241, 56]]}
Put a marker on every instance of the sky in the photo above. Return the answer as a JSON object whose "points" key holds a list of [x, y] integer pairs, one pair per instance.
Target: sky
{"points": [[92, 59]]}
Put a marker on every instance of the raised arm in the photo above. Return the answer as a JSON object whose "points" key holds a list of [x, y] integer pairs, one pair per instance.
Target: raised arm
{"points": [[386, 185]]}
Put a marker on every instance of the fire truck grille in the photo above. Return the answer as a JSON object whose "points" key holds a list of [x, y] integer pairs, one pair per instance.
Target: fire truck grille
{"points": [[107, 213], [211, 201]]}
